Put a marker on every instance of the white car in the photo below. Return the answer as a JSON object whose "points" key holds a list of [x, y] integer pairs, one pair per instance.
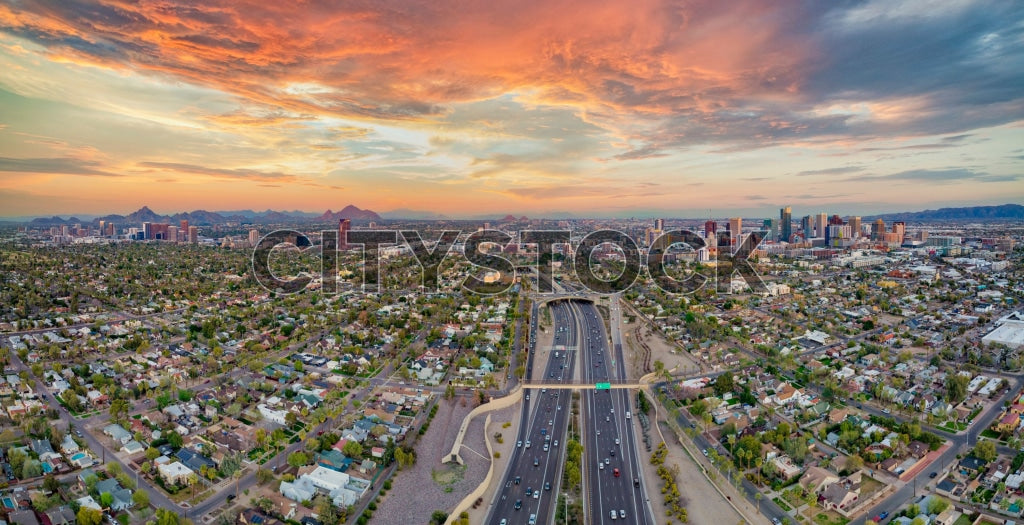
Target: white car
{"points": [[600, 466], [612, 514]]}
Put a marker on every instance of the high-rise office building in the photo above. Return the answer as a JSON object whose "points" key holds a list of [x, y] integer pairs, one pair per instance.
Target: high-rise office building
{"points": [[900, 228], [157, 231], [855, 226], [103, 227], [344, 225], [820, 222], [254, 237], [807, 226], [785, 223], [771, 228], [147, 230], [834, 220], [172, 233], [193, 234], [735, 229], [877, 230], [710, 229], [659, 224]]}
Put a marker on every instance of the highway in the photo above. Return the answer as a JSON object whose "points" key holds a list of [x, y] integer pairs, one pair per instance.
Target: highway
{"points": [[613, 480], [545, 417]]}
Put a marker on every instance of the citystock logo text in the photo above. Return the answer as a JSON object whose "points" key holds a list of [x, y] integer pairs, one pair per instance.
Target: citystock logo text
{"points": [[483, 249]]}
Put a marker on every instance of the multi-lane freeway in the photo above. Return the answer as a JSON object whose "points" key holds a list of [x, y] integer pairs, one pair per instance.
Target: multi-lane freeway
{"points": [[613, 480], [530, 486]]}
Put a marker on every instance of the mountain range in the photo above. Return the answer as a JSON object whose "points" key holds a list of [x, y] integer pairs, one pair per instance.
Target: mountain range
{"points": [[969, 213], [209, 218]]}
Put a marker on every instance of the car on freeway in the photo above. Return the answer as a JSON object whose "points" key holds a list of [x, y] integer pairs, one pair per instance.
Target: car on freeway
{"points": [[518, 479], [615, 472], [933, 475], [504, 521], [636, 482], [533, 519], [611, 452], [527, 443], [536, 462], [616, 441], [613, 514], [519, 443], [600, 466], [529, 492], [622, 513], [518, 505]]}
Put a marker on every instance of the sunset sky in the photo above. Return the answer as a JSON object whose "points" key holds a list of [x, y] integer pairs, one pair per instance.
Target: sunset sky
{"points": [[493, 107]]}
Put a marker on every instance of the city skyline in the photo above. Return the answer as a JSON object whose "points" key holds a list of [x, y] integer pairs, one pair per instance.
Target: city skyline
{"points": [[530, 109]]}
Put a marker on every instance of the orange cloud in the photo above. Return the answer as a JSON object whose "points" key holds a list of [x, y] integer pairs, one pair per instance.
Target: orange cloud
{"points": [[406, 61]]}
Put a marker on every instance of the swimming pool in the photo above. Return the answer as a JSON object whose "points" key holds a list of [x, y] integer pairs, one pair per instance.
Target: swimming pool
{"points": [[8, 502], [47, 468], [78, 456]]}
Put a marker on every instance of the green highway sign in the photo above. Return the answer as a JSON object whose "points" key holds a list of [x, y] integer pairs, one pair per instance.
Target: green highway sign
{"points": [[603, 386]]}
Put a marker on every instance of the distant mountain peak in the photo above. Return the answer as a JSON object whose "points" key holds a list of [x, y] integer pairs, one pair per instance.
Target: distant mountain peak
{"points": [[349, 212]]}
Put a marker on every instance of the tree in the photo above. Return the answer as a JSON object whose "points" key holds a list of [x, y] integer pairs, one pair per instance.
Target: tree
{"points": [[51, 483], [724, 383], [175, 439], [119, 409], [298, 459], [854, 463], [353, 449], [264, 476], [166, 517], [88, 516], [438, 517], [327, 513], [936, 505], [956, 387], [140, 498], [106, 500], [985, 450]]}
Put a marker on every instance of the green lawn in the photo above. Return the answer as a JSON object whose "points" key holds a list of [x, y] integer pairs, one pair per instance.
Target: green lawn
{"points": [[963, 520], [829, 518], [782, 504]]}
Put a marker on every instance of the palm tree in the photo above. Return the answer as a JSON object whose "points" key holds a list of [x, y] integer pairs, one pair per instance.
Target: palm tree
{"points": [[757, 497]]}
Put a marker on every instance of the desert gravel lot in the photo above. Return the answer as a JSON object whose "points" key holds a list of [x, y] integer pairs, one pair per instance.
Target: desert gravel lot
{"points": [[430, 485]]}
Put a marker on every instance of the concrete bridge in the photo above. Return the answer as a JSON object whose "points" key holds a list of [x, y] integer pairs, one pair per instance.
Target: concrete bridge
{"points": [[583, 386]]}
